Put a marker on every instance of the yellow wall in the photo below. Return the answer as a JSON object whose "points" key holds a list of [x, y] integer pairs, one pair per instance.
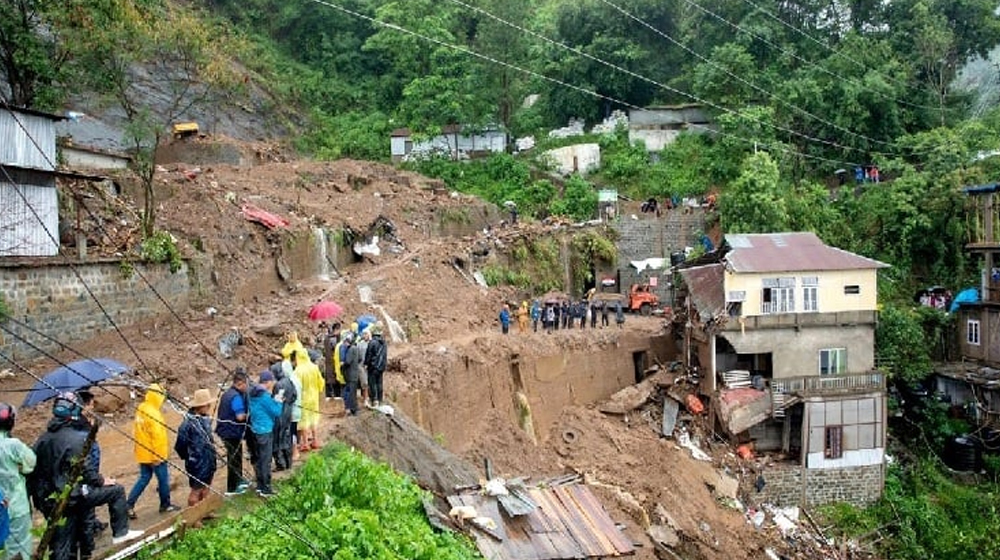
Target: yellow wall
{"points": [[831, 297]]}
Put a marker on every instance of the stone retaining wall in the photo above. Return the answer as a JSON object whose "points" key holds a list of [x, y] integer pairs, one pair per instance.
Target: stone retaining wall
{"points": [[787, 485], [54, 300]]}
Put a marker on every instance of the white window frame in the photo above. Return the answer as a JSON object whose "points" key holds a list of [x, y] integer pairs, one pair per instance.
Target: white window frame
{"points": [[972, 332], [810, 299], [782, 301], [836, 360]]}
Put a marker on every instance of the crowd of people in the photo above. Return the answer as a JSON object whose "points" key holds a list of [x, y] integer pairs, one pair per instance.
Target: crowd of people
{"points": [[564, 314], [277, 417]]}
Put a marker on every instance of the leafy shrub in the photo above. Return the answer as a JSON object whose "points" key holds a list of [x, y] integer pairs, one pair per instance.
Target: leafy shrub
{"points": [[4, 309], [344, 505], [496, 275], [161, 248]]}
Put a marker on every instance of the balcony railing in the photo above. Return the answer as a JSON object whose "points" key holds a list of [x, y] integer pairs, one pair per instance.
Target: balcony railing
{"points": [[827, 384], [771, 307]]}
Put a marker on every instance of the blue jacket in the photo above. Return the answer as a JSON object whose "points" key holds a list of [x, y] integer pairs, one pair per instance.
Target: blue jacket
{"points": [[231, 405], [263, 410], [194, 445], [505, 317]]}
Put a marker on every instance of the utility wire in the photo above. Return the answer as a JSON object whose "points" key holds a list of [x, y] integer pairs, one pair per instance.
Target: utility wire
{"points": [[744, 81], [623, 103], [280, 524], [786, 52], [847, 57]]}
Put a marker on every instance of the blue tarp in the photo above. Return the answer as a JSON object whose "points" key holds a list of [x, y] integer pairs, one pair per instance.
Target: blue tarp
{"points": [[968, 295]]}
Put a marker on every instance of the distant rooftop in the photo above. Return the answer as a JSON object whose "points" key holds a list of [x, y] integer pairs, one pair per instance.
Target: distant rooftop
{"points": [[788, 252]]}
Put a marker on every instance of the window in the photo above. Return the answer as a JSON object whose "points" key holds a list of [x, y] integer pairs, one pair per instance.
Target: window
{"points": [[778, 300], [809, 298], [852, 289], [832, 361], [972, 332], [833, 442]]}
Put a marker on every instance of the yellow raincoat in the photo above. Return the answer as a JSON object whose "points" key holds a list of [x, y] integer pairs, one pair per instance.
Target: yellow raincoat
{"points": [[150, 430], [337, 373], [312, 387], [292, 345]]}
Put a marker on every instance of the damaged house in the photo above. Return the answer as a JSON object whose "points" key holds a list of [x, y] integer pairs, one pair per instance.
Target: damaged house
{"points": [[782, 332]]}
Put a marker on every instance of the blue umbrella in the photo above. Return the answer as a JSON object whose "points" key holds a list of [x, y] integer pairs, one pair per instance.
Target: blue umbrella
{"points": [[72, 377]]}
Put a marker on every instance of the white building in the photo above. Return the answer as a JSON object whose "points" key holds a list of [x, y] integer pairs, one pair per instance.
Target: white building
{"points": [[452, 142]]}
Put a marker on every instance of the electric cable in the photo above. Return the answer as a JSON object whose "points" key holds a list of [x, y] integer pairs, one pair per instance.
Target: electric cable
{"points": [[744, 81], [281, 525], [593, 93], [847, 57]]}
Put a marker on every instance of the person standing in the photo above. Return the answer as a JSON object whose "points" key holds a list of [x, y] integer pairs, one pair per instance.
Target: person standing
{"points": [[619, 315], [550, 318], [60, 451], [231, 427], [376, 358], [522, 318], [312, 387], [264, 410], [194, 445], [151, 450], [593, 314], [289, 370], [363, 339], [536, 314], [581, 312], [604, 314], [505, 319], [351, 367], [282, 436], [558, 311], [16, 461]]}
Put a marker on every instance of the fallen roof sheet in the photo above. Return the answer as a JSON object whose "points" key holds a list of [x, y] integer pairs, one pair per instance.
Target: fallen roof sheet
{"points": [[974, 374], [707, 289], [741, 409], [569, 523]]}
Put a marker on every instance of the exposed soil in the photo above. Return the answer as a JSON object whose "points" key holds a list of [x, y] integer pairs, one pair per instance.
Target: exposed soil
{"points": [[442, 311]]}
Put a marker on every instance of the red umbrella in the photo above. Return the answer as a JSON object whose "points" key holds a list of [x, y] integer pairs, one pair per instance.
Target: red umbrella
{"points": [[325, 310]]}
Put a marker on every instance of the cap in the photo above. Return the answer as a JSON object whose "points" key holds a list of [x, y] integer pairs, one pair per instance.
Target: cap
{"points": [[266, 376]]}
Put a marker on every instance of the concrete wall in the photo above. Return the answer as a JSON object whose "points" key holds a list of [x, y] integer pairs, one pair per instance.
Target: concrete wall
{"points": [[787, 485], [87, 159], [652, 237], [830, 295], [469, 390], [795, 352], [51, 298], [578, 158]]}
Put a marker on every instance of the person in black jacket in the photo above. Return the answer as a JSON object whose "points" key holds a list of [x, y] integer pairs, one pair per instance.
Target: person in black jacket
{"points": [[231, 427], [194, 445], [58, 449], [282, 434], [376, 358]]}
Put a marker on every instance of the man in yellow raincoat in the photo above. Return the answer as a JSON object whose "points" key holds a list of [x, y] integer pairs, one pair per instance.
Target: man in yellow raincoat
{"points": [[292, 344], [312, 387], [151, 450]]}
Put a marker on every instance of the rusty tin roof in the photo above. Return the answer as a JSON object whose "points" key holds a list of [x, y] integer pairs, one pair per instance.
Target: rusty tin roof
{"points": [[706, 287], [790, 252], [569, 523]]}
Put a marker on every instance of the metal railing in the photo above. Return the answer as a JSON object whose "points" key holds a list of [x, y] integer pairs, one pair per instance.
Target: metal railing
{"points": [[772, 307], [824, 384]]}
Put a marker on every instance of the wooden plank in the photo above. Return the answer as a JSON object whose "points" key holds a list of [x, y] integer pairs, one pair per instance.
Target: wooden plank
{"points": [[167, 528], [580, 528], [604, 525], [563, 543]]}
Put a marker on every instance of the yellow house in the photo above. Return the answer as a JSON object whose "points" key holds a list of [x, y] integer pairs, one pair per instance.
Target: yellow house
{"points": [[782, 334]]}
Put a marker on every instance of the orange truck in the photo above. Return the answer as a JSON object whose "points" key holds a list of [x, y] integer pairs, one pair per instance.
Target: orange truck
{"points": [[640, 299]]}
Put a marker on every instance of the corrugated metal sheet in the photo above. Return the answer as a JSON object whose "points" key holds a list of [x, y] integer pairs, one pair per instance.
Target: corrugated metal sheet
{"points": [[17, 144], [569, 523], [791, 252], [707, 289], [21, 232]]}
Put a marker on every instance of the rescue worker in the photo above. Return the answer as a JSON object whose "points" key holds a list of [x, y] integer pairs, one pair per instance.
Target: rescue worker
{"points": [[151, 450]]}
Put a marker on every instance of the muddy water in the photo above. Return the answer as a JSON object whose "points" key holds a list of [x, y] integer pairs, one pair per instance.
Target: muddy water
{"points": [[454, 410]]}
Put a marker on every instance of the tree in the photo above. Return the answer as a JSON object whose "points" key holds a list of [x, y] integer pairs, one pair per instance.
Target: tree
{"points": [[755, 202], [144, 47]]}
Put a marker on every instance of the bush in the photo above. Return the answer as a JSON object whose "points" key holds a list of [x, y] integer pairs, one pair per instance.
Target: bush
{"points": [[340, 505], [161, 248]]}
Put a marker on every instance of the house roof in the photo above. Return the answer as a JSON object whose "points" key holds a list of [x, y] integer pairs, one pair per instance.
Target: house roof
{"points": [[446, 129], [705, 286], [790, 252], [43, 114], [983, 376], [981, 189], [568, 522]]}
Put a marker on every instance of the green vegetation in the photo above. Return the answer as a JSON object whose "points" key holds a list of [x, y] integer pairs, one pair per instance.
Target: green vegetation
{"points": [[4, 309], [344, 505], [161, 248]]}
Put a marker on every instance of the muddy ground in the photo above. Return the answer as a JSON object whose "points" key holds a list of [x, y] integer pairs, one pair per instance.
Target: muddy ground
{"points": [[638, 474]]}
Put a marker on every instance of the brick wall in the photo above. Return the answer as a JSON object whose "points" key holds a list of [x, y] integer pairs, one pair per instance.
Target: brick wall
{"points": [[787, 485], [51, 299], [652, 237]]}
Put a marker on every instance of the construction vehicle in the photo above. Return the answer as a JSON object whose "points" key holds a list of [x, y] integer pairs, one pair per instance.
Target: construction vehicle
{"points": [[640, 299]]}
